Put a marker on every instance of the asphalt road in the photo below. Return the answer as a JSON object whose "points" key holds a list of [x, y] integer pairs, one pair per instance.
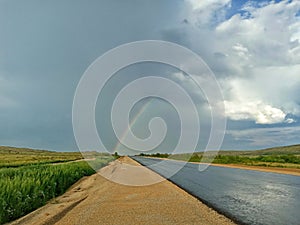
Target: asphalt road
{"points": [[246, 196]]}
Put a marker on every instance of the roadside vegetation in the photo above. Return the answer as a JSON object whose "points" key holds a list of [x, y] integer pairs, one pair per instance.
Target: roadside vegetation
{"points": [[34, 177], [286, 157]]}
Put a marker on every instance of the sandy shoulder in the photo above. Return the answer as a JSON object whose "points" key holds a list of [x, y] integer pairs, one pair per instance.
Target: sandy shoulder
{"points": [[290, 171], [96, 200]]}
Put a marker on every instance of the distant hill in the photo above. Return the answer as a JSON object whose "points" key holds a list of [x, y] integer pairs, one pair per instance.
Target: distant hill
{"points": [[14, 157], [282, 150], [7, 150], [15, 150], [292, 149]]}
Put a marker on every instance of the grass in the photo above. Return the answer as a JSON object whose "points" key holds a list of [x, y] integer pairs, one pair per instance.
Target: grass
{"points": [[262, 160], [31, 179], [286, 157], [15, 157]]}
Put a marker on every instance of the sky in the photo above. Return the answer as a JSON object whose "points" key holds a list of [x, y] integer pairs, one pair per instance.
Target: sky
{"points": [[252, 47]]}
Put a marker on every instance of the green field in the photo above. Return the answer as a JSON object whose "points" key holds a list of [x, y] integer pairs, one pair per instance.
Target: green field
{"points": [[29, 178], [15, 157], [285, 157]]}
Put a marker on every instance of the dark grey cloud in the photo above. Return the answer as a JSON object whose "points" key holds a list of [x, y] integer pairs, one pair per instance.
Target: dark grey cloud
{"points": [[45, 47]]}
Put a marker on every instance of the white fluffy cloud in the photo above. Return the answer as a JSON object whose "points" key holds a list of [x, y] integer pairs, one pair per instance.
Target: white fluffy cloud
{"points": [[204, 12], [202, 5], [266, 97], [259, 112], [269, 33], [257, 52]]}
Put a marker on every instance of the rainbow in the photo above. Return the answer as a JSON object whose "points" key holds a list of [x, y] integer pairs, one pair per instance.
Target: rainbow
{"points": [[131, 124]]}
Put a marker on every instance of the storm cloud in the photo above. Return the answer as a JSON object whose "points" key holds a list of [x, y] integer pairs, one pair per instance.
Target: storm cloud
{"points": [[253, 48]]}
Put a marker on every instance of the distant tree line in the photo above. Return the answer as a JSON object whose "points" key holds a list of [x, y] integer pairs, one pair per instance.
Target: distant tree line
{"points": [[158, 155]]}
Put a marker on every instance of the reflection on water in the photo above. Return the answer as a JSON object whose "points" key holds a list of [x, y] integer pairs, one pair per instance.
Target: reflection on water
{"points": [[250, 197]]}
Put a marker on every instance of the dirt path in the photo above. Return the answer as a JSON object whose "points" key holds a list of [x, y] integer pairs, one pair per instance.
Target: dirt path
{"points": [[95, 200]]}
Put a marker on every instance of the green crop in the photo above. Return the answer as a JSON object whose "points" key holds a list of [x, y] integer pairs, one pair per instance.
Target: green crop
{"points": [[24, 189]]}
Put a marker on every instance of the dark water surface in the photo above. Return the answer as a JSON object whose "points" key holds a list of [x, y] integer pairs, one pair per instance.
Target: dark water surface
{"points": [[248, 197]]}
